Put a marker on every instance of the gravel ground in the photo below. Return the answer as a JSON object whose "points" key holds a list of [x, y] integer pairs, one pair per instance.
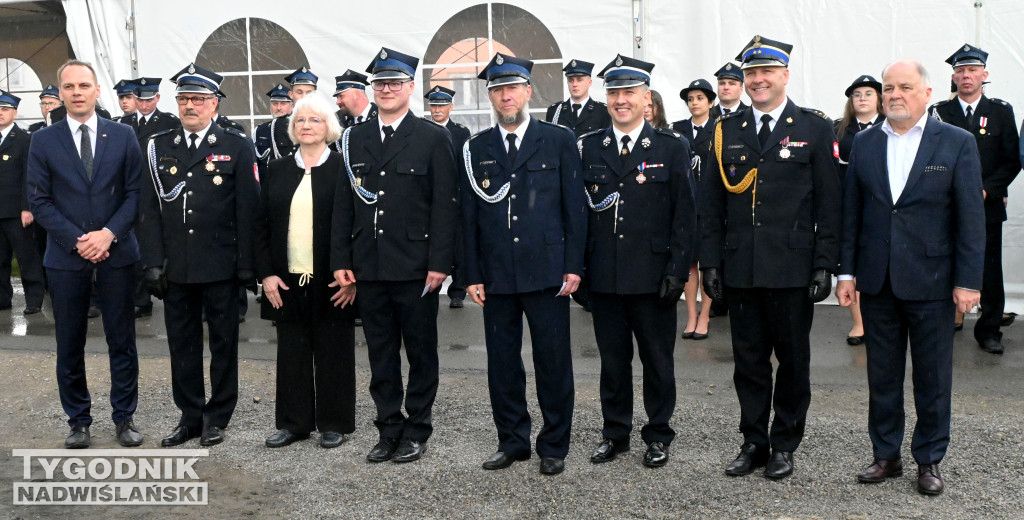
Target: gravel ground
{"points": [[983, 469]]}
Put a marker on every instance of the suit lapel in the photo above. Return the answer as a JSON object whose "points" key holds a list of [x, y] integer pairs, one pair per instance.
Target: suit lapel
{"points": [[65, 138], [101, 145], [924, 155], [639, 151], [748, 132], [881, 142], [374, 145], [530, 144], [610, 153], [496, 148], [785, 121], [400, 139], [11, 136]]}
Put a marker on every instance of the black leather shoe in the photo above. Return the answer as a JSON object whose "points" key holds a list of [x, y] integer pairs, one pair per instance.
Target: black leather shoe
{"points": [[78, 438], [991, 345], [688, 335], [656, 456], [957, 327], [854, 341], [750, 458], [180, 435], [32, 309], [456, 303], [332, 439], [780, 465], [283, 438], [212, 435], [551, 465], [128, 435], [929, 481], [1007, 319], [359, 322], [608, 449], [409, 450], [699, 336], [141, 311], [501, 461], [879, 470], [383, 451]]}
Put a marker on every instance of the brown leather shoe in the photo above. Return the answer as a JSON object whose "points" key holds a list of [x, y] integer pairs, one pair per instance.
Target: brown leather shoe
{"points": [[879, 470], [929, 480]]}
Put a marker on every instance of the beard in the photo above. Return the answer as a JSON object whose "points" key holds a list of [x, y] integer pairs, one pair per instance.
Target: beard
{"points": [[514, 119]]}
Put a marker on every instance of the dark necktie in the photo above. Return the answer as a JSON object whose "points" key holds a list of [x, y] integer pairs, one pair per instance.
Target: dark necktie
{"points": [[192, 146], [142, 121], [512, 150], [696, 131], [765, 131], [970, 119], [86, 151], [576, 110], [388, 132], [359, 120], [624, 151], [726, 110], [863, 126]]}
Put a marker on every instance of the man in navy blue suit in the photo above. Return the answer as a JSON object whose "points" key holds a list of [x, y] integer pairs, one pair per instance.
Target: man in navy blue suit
{"points": [[525, 221], [83, 188], [914, 238]]}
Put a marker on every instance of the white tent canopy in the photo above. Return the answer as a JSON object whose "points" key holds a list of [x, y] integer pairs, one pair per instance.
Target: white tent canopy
{"points": [[834, 42]]}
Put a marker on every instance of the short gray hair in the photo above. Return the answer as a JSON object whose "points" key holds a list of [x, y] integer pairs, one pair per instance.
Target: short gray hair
{"points": [[317, 104], [917, 64], [79, 63]]}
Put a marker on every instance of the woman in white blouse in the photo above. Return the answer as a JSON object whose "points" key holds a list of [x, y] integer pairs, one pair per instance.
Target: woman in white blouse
{"points": [[315, 330]]}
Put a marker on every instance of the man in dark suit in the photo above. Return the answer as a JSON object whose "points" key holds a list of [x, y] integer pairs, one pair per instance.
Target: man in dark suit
{"points": [[394, 231], [197, 208], [49, 99], [992, 123], [525, 221], [638, 257], [580, 113], [83, 188], [440, 101], [16, 228], [730, 88], [771, 222], [912, 237]]}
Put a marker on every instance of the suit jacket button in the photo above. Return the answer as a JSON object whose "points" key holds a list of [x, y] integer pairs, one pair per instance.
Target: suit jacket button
{"points": [[516, 240], [621, 237], [382, 173], [513, 196], [381, 212], [381, 193], [513, 176], [894, 212], [515, 218], [191, 232]]}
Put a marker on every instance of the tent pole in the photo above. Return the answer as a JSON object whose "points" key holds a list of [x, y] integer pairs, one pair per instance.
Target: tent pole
{"points": [[639, 26], [133, 51], [977, 23]]}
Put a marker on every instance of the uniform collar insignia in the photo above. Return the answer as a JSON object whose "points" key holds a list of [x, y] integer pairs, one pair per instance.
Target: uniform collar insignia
{"points": [[212, 139], [607, 141], [645, 142], [177, 139]]}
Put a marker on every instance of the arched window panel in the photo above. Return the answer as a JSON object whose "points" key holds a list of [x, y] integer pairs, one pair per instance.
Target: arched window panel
{"points": [[226, 49], [18, 78]]}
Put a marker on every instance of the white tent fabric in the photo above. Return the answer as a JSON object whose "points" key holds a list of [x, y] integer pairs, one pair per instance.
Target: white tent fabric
{"points": [[834, 42]]}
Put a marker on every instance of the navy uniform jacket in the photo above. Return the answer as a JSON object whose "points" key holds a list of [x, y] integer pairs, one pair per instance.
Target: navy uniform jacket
{"points": [[716, 111], [650, 229], [13, 165], [997, 145], [933, 237], [699, 146], [280, 144], [531, 238], [204, 234], [262, 142], [460, 134], [792, 229], [224, 122], [68, 205], [160, 122], [411, 228], [846, 143], [593, 116]]}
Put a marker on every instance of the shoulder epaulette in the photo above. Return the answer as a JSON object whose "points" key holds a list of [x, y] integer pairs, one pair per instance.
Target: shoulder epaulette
{"points": [[478, 134], [730, 115], [1000, 101], [668, 131], [591, 133], [162, 132], [460, 125], [818, 113], [233, 131], [938, 104]]}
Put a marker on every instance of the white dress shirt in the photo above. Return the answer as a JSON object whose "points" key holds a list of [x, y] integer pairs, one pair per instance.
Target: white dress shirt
{"points": [[5, 132], [201, 134], [520, 131], [633, 134], [901, 150], [76, 133], [974, 106], [394, 124], [776, 114]]}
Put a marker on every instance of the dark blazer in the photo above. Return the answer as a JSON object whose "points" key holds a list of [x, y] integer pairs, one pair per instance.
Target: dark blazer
{"points": [[68, 205], [411, 228], [997, 145], [716, 111], [535, 235], [930, 240], [271, 234], [13, 166], [699, 146], [205, 233], [631, 248], [460, 134], [59, 113], [593, 116], [792, 229]]}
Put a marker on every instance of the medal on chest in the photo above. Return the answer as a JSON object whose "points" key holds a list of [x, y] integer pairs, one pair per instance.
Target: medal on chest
{"points": [[982, 122], [486, 183], [217, 180], [209, 166]]}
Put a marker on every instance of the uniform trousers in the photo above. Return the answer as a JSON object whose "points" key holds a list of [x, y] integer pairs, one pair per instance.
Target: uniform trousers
{"points": [[889, 322], [766, 321], [548, 318], [394, 314], [316, 372], [617, 320], [20, 241], [993, 294], [183, 315]]}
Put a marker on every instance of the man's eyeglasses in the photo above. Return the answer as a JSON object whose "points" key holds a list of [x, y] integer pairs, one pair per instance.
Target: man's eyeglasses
{"points": [[393, 86], [48, 104], [311, 120], [196, 100]]}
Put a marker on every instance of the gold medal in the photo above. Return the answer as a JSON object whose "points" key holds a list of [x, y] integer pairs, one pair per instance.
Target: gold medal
{"points": [[209, 166], [174, 170], [982, 131], [486, 183], [217, 180], [359, 182], [594, 188]]}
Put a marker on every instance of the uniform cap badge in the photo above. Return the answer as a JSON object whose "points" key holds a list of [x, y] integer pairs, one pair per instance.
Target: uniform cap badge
{"points": [[499, 60], [304, 69], [967, 47], [618, 61], [383, 54], [217, 180], [437, 89], [572, 63], [142, 81], [728, 66], [191, 68]]}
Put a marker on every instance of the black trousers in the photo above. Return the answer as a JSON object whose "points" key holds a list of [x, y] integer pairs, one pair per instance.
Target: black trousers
{"points": [[548, 318], [20, 242], [889, 323], [617, 320], [394, 314], [993, 294], [183, 309], [316, 370], [766, 321], [70, 292]]}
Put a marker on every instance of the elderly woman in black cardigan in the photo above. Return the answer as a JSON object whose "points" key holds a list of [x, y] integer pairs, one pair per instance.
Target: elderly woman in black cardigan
{"points": [[315, 330]]}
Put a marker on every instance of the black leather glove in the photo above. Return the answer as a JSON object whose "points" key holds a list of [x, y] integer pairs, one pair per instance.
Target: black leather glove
{"points": [[247, 279], [671, 289], [713, 284], [820, 286], [156, 282]]}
